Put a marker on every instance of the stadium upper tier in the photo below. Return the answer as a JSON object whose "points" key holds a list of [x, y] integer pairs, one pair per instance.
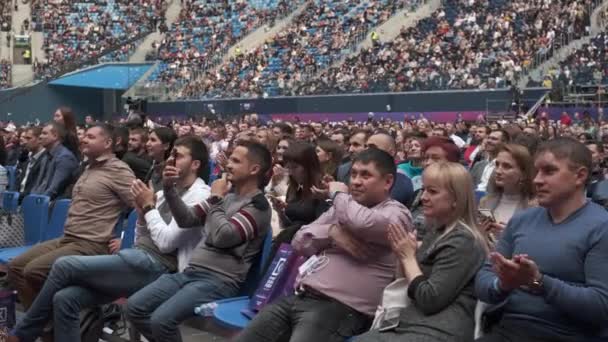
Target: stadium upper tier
{"points": [[78, 31], [465, 44], [206, 30]]}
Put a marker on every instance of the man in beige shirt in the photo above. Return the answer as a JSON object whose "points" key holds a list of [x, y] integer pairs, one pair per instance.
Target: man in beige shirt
{"points": [[98, 199]]}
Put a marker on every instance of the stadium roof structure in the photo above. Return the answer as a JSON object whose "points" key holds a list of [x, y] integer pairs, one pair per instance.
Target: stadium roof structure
{"points": [[117, 76]]}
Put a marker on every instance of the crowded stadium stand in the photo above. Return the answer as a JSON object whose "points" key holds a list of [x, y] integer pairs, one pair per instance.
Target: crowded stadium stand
{"points": [[5, 74], [317, 38], [77, 32], [205, 31]]}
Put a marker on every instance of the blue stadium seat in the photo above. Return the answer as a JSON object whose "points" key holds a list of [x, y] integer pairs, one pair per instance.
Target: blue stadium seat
{"points": [[35, 219], [128, 236], [11, 172], [479, 195], [228, 312], [59, 215], [10, 201]]}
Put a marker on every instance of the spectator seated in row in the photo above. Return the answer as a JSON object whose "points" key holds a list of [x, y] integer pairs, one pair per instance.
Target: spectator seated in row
{"points": [[236, 219], [540, 291], [339, 293], [161, 246], [441, 272], [58, 165], [99, 198]]}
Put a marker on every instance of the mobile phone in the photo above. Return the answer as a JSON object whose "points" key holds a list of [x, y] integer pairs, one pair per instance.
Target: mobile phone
{"points": [[486, 213], [389, 324], [173, 158]]}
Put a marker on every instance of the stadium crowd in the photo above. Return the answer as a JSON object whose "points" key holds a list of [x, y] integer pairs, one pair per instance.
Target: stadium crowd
{"points": [[6, 15], [463, 45], [5, 74], [205, 31], [455, 211], [76, 32], [585, 66], [315, 39]]}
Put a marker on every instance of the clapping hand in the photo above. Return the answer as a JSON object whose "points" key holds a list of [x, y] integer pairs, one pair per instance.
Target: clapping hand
{"points": [[143, 195], [403, 243], [519, 271]]}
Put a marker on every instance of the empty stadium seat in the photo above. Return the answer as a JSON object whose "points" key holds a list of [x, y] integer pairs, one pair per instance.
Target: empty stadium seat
{"points": [[11, 172], [35, 210]]}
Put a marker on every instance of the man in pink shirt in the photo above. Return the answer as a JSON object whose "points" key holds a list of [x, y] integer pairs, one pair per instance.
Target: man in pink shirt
{"points": [[338, 295]]}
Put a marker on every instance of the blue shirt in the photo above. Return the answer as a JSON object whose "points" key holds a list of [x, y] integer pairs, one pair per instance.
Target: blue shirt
{"points": [[573, 257]]}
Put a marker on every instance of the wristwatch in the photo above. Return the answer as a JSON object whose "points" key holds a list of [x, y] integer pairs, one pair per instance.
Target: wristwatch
{"points": [[147, 208], [537, 286]]}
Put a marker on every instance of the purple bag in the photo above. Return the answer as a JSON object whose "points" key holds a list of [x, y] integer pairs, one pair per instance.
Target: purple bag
{"points": [[278, 280], [7, 308]]}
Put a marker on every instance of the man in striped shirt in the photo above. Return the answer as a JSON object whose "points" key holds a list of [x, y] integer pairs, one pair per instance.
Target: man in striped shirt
{"points": [[236, 220]]}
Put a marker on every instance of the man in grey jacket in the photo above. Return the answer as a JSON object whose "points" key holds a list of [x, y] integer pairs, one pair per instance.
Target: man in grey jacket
{"points": [[59, 163], [236, 220]]}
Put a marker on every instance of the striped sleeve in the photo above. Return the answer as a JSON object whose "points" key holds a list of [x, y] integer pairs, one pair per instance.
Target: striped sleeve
{"points": [[202, 209], [245, 225]]}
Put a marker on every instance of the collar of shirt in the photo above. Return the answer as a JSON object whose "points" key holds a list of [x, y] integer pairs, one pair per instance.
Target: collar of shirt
{"points": [[34, 157], [101, 159]]}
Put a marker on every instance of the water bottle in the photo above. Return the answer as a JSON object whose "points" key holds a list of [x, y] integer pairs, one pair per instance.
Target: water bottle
{"points": [[205, 310]]}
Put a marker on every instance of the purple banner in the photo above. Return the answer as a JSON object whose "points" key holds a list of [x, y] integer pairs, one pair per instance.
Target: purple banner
{"points": [[395, 116], [555, 112]]}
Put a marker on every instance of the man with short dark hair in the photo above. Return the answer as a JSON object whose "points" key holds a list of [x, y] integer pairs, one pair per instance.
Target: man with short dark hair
{"points": [[161, 246], [482, 170], [548, 270], [356, 144], [339, 296], [59, 165], [29, 171], [403, 189], [99, 197], [597, 173], [236, 219], [136, 156]]}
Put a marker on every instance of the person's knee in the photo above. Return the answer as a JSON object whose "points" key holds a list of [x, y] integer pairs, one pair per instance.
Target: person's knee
{"points": [[163, 322], [135, 310], [34, 274], [64, 300]]}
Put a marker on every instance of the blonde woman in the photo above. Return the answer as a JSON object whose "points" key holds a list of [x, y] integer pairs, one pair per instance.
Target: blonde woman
{"points": [[441, 272]]}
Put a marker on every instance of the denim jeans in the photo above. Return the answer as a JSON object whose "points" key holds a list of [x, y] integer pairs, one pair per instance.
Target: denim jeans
{"points": [[80, 282], [304, 319], [158, 309]]}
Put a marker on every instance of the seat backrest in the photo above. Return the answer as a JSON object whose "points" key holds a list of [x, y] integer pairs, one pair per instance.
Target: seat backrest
{"points": [[10, 201], [128, 236], [479, 195], [11, 172], [59, 214], [255, 274], [35, 217]]}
